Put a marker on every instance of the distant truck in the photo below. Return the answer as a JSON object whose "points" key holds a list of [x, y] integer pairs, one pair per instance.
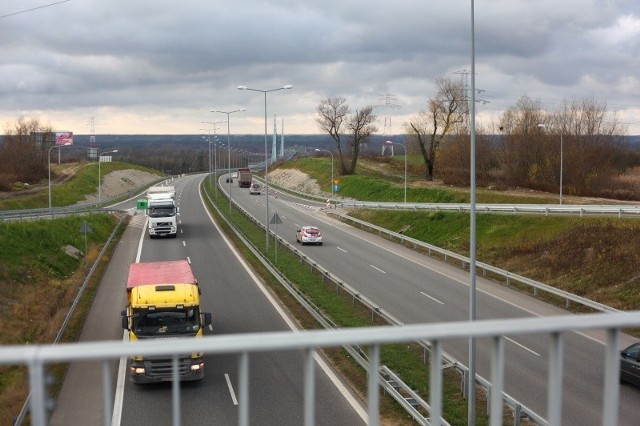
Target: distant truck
{"points": [[244, 178], [164, 303], [162, 211], [161, 192]]}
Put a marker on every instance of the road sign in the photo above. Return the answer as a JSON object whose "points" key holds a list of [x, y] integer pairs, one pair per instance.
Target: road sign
{"points": [[275, 219]]}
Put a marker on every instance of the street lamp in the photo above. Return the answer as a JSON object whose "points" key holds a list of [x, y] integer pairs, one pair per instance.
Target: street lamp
{"points": [[266, 161], [99, 174], [215, 141], [49, 162], [330, 153], [544, 125], [209, 140], [228, 146]]}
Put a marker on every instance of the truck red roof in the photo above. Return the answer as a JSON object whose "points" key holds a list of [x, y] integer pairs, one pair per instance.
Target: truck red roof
{"points": [[167, 272]]}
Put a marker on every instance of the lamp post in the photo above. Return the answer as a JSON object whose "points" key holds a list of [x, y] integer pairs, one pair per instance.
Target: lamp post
{"points": [[215, 141], [330, 153], [49, 163], [209, 140], [100, 176], [228, 146], [561, 150], [266, 161]]}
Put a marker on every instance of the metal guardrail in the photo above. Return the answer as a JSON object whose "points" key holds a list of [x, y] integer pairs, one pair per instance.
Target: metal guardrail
{"points": [[464, 261], [37, 358], [23, 412], [395, 387], [544, 209], [520, 410], [80, 208]]}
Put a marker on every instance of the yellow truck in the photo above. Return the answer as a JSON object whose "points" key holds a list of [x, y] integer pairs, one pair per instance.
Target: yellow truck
{"points": [[164, 303]]}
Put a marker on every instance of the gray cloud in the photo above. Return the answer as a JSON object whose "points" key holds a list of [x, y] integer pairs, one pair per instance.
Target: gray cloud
{"points": [[158, 66]]}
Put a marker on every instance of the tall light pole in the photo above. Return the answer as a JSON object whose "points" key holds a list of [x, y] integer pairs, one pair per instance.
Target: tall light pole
{"points": [[209, 140], [471, 408], [330, 153], [215, 140], [49, 158], [266, 160], [561, 150], [228, 146], [100, 176]]}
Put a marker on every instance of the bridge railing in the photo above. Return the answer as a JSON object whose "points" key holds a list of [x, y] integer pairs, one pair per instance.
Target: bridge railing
{"points": [[37, 358]]}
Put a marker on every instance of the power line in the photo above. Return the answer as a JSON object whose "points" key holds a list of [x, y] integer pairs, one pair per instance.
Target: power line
{"points": [[33, 8]]}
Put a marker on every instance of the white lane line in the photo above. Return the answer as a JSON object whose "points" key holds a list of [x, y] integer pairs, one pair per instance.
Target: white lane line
{"points": [[341, 249], [231, 392], [189, 260], [377, 269], [522, 346], [184, 243], [431, 297]]}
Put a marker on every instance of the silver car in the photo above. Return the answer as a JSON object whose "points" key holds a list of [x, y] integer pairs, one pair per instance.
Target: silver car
{"points": [[630, 364]]}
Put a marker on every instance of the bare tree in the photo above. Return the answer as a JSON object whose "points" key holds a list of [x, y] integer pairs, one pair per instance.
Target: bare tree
{"points": [[361, 127], [524, 154], [334, 118], [592, 143], [23, 154], [332, 113], [446, 113], [581, 142]]}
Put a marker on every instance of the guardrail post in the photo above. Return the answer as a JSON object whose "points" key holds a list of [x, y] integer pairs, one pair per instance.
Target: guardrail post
{"points": [[517, 414]]}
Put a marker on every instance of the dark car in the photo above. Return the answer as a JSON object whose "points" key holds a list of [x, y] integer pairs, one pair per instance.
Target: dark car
{"points": [[630, 364]]}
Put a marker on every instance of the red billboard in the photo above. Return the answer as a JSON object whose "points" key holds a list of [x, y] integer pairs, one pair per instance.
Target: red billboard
{"points": [[64, 138]]}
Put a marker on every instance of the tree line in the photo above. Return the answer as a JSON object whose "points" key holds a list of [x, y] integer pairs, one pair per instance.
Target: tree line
{"points": [[580, 146]]}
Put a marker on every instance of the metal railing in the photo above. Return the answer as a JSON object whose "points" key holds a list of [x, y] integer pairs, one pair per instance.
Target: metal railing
{"points": [[517, 407], [509, 277], [37, 358], [630, 210]]}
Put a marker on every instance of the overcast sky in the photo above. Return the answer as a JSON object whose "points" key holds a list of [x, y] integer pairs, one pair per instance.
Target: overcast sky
{"points": [[159, 66]]}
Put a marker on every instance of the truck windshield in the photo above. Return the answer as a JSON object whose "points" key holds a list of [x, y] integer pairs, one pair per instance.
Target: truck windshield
{"points": [[162, 211], [164, 322]]}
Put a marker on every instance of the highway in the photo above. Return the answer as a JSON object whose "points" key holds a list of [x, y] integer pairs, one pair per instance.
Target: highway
{"points": [[412, 287], [417, 289], [238, 303]]}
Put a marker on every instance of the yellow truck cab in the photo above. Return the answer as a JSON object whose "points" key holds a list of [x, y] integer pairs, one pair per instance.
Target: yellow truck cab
{"points": [[164, 303]]}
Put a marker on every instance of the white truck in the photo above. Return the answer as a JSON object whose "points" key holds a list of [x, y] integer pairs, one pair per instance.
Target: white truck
{"points": [[162, 211]]}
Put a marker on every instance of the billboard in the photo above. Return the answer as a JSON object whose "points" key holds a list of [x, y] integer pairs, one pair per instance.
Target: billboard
{"points": [[64, 138]]}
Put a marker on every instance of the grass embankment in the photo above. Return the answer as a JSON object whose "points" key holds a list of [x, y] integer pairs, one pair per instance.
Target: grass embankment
{"points": [[84, 182], [38, 283], [597, 258], [404, 359]]}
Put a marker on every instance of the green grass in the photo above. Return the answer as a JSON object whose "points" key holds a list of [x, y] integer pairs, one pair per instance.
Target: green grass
{"points": [[83, 183], [37, 246], [370, 184]]}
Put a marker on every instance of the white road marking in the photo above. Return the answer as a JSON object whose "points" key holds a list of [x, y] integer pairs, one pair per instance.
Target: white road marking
{"points": [[355, 404], [189, 260], [184, 243], [522, 346], [432, 298], [341, 249], [378, 269], [231, 392]]}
